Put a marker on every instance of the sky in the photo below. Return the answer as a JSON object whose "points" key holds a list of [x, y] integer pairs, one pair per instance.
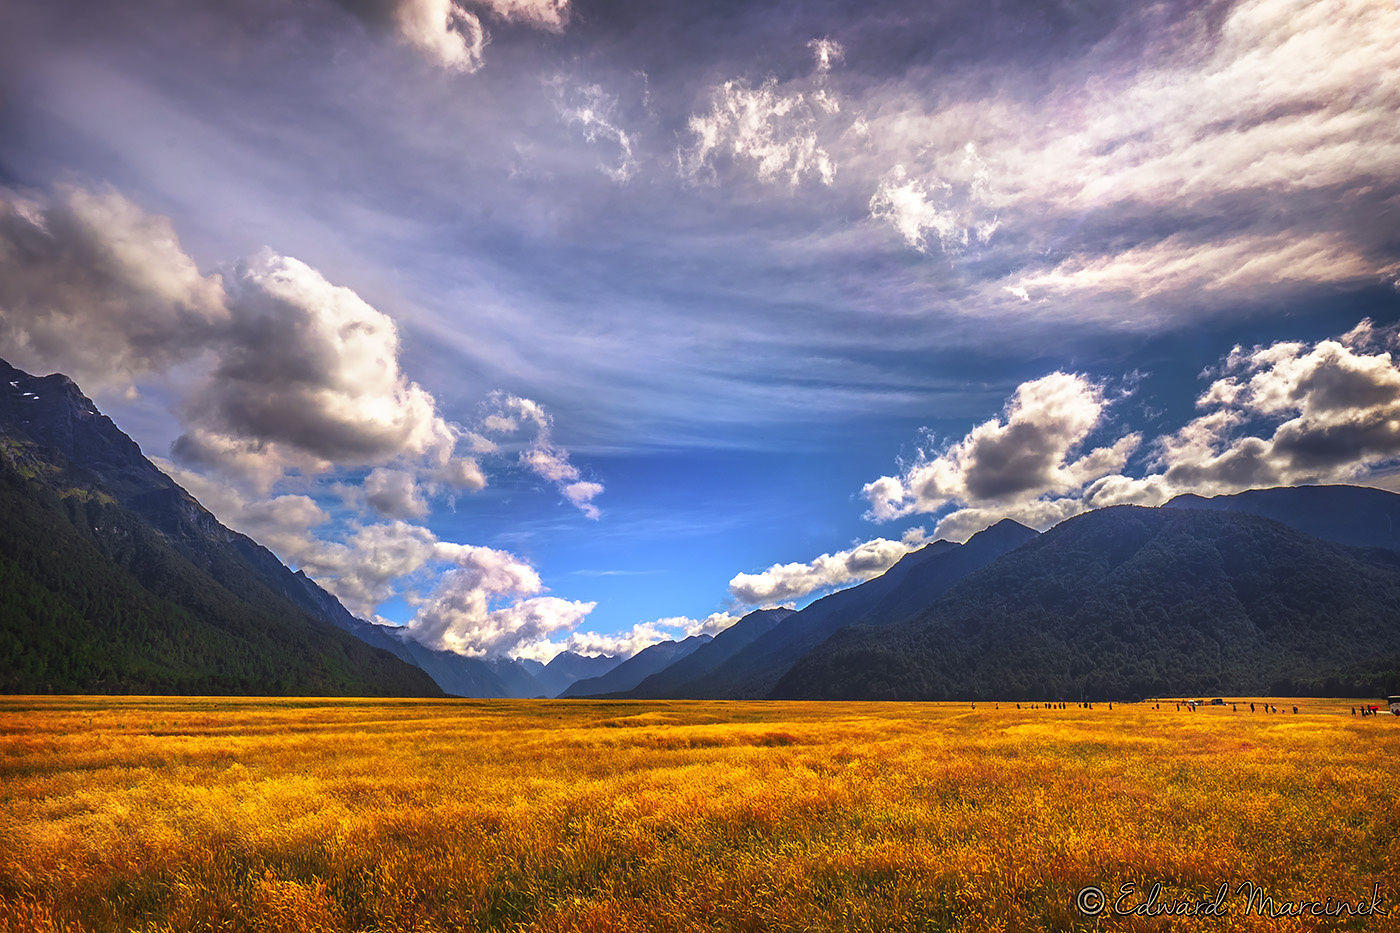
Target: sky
{"points": [[535, 325]]}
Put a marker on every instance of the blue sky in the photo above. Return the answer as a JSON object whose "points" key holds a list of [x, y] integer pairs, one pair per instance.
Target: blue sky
{"points": [[529, 323]]}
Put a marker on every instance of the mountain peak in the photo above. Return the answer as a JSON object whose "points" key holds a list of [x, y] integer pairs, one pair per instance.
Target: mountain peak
{"points": [[1004, 531]]}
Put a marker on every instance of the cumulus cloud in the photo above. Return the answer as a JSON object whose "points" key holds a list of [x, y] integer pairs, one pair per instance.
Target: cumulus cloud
{"points": [[394, 494], [477, 601], [1326, 412], [507, 415], [464, 614], [769, 127], [1032, 451], [782, 583], [1287, 413], [450, 32], [295, 373], [311, 367], [90, 281], [282, 523]]}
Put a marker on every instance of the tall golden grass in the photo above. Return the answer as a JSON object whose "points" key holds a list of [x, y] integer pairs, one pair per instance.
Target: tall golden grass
{"points": [[235, 814]]}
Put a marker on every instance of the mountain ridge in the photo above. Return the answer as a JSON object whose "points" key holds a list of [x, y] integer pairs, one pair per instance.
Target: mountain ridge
{"points": [[117, 580], [631, 672], [1127, 602], [756, 668]]}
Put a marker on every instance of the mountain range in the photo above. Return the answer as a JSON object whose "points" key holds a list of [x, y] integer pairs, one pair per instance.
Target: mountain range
{"points": [[1129, 602], [114, 579], [631, 672], [754, 668]]}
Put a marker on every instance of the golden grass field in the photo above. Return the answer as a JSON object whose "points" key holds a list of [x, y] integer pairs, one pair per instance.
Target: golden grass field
{"points": [[250, 814]]}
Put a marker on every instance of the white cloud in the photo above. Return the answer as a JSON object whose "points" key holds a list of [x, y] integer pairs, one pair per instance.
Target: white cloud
{"points": [[508, 415], [394, 494], [480, 601], [282, 523], [1250, 265], [1330, 411], [946, 208], [826, 53], [444, 30], [552, 15], [782, 583], [1027, 454], [627, 643], [1287, 413], [450, 32], [1249, 144], [595, 112], [313, 368], [773, 129], [465, 613]]}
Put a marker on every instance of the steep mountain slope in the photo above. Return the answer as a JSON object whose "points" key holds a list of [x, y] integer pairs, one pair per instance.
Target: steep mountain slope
{"points": [[1354, 515], [112, 578], [637, 668], [905, 589], [1128, 602], [673, 680]]}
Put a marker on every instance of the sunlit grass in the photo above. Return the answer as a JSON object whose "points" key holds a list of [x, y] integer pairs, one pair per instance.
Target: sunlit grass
{"points": [[235, 814]]}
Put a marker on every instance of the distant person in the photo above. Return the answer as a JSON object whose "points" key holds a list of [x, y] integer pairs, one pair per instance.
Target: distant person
{"points": [[1353, 710], [1295, 711]]}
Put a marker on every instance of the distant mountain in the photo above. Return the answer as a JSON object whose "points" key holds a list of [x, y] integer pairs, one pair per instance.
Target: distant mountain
{"points": [[908, 587], [1129, 602], [1354, 515], [674, 680], [114, 579], [568, 667], [520, 682], [456, 674], [637, 668]]}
